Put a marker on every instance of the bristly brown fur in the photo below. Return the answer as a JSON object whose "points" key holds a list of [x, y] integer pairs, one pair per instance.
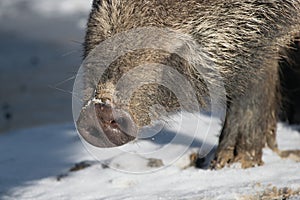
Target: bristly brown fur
{"points": [[244, 39]]}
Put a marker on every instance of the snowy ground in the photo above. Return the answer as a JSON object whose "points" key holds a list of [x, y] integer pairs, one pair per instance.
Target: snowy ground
{"points": [[36, 164]]}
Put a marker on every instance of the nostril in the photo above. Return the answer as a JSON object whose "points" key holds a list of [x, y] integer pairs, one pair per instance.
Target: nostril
{"points": [[109, 117], [114, 124], [104, 113]]}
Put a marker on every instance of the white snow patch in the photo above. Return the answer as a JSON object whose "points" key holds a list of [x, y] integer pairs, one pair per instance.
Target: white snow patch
{"points": [[31, 160]]}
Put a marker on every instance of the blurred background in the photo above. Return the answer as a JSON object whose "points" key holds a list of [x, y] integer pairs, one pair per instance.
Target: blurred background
{"points": [[40, 53]]}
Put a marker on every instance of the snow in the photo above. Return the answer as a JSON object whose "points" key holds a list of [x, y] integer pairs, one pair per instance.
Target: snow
{"points": [[32, 160]]}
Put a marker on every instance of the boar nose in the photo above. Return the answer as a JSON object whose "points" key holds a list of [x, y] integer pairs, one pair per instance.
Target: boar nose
{"points": [[105, 115], [116, 124]]}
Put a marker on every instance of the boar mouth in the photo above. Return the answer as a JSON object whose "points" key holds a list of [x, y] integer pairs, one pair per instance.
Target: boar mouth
{"points": [[103, 126]]}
